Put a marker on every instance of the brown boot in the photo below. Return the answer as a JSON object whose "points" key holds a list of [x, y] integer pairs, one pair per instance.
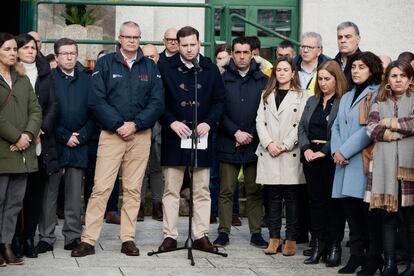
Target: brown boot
{"points": [[157, 210], [8, 255], [290, 248], [273, 247]]}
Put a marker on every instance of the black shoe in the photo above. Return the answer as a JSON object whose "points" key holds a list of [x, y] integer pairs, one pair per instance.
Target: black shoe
{"points": [[372, 264], [129, 248], [353, 263], [318, 251], [390, 267], [257, 240], [29, 248], [17, 247], [43, 247], [307, 252], [73, 244], [222, 240], [333, 254], [83, 250], [409, 271]]}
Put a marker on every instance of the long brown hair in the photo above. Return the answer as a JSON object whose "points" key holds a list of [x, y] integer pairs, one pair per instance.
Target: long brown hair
{"points": [[273, 84], [332, 67], [385, 93]]}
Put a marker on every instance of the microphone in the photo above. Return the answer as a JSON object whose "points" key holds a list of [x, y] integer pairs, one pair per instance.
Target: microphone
{"points": [[194, 61]]}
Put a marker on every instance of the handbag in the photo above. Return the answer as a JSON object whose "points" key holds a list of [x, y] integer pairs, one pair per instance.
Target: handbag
{"points": [[364, 108]]}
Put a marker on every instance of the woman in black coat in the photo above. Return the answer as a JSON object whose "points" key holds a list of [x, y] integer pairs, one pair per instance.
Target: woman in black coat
{"points": [[38, 71], [326, 214]]}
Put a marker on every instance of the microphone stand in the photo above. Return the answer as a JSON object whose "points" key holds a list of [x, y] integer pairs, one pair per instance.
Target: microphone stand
{"points": [[194, 164]]}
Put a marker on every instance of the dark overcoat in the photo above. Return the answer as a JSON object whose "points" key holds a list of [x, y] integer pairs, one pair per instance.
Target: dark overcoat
{"points": [[240, 109], [179, 93]]}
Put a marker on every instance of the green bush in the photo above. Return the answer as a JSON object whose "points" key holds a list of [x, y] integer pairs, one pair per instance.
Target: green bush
{"points": [[78, 14]]}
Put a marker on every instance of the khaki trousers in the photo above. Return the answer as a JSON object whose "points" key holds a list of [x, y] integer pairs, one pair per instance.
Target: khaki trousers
{"points": [[171, 201], [132, 157]]}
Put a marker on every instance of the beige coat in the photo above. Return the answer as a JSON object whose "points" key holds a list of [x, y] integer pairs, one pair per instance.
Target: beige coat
{"points": [[280, 126]]}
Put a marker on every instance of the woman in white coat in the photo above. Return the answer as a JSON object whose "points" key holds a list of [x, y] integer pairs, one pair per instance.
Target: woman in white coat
{"points": [[278, 167]]}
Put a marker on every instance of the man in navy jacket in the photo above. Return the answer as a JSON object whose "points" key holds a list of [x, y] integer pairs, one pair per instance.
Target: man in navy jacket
{"points": [[127, 98], [178, 77], [74, 128]]}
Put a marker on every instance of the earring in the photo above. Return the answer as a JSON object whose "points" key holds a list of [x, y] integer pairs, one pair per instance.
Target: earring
{"points": [[387, 87]]}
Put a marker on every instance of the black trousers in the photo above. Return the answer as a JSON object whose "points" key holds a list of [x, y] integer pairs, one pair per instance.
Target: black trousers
{"points": [[364, 231], [275, 195], [391, 222], [327, 218]]}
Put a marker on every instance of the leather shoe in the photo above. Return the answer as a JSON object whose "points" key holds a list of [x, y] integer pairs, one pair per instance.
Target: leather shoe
{"points": [[43, 247], [83, 249], [168, 244], [204, 244], [29, 248], [112, 217], [8, 255], [235, 220], [72, 245], [129, 248]]}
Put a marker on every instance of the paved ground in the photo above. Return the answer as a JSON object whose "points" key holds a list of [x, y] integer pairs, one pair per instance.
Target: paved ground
{"points": [[243, 259]]}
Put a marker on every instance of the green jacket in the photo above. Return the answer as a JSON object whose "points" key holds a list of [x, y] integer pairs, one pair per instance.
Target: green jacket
{"points": [[21, 114]]}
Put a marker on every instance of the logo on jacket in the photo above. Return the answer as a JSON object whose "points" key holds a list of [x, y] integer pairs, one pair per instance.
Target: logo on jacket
{"points": [[114, 76], [143, 77]]}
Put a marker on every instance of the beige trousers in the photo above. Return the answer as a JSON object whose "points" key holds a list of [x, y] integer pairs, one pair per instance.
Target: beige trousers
{"points": [[132, 157], [171, 201]]}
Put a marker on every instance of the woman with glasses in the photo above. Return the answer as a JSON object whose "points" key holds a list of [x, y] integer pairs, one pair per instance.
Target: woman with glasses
{"points": [[20, 120]]}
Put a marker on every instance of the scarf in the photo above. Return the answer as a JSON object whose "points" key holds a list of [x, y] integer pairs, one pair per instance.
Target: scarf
{"points": [[393, 161]]}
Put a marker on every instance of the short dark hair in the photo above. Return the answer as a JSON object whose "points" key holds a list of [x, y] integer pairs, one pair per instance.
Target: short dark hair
{"points": [[285, 44], [62, 42], [4, 37], [406, 56], [254, 42], [187, 31], [23, 39], [50, 58], [241, 40], [374, 64]]}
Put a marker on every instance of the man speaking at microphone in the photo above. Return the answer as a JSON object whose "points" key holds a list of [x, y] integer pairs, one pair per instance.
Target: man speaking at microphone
{"points": [[179, 83]]}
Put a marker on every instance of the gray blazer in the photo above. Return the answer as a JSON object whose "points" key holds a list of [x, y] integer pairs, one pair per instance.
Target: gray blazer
{"points": [[303, 129]]}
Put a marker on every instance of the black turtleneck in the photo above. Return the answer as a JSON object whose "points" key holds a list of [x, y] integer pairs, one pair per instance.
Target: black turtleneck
{"points": [[359, 88]]}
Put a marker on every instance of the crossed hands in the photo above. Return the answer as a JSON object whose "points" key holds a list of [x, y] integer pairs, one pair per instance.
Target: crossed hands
{"points": [[184, 132], [310, 155], [275, 149], [127, 131], [22, 144], [242, 138], [73, 140], [340, 159]]}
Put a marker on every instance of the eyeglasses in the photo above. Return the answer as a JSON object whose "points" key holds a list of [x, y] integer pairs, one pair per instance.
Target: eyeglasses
{"points": [[307, 47], [127, 37], [67, 54], [171, 40]]}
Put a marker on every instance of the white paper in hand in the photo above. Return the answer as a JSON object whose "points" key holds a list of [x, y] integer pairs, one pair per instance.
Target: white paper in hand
{"points": [[202, 143]]}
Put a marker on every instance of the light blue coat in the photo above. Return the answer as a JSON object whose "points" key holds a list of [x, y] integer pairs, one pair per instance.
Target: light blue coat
{"points": [[350, 138]]}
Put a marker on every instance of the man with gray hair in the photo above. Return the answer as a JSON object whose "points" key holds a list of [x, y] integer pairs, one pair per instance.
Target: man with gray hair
{"points": [[348, 39], [309, 59], [126, 98]]}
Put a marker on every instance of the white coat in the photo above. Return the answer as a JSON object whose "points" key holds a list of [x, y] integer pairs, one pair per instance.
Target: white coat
{"points": [[280, 126]]}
